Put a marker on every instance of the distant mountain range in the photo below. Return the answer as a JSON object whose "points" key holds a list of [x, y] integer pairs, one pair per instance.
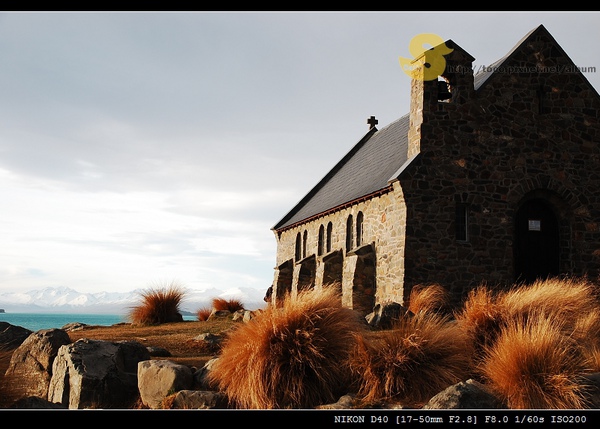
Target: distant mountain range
{"points": [[67, 300]]}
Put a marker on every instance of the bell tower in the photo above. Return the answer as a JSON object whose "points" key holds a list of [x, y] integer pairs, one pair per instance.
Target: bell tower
{"points": [[442, 80]]}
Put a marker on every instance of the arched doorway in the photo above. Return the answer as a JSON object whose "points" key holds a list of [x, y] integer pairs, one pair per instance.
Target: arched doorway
{"points": [[537, 244]]}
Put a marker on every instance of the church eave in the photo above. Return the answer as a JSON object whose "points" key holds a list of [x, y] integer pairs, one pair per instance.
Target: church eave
{"points": [[339, 207]]}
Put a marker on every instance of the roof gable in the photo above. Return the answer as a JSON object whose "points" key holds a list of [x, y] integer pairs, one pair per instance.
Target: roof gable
{"points": [[483, 76]]}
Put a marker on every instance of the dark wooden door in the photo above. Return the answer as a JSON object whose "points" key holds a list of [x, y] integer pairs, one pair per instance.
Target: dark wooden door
{"points": [[536, 242]]}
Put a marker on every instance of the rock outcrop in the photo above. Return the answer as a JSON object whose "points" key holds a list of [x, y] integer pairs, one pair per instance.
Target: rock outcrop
{"points": [[467, 394], [157, 379], [12, 336], [195, 400], [96, 374], [31, 363]]}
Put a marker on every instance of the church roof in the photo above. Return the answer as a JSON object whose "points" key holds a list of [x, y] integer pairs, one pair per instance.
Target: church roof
{"points": [[367, 168]]}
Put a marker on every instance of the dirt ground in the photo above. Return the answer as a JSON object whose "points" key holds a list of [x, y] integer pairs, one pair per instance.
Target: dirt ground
{"points": [[177, 338]]}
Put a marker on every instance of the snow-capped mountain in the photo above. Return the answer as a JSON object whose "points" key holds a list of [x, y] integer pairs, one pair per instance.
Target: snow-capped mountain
{"points": [[67, 300]]}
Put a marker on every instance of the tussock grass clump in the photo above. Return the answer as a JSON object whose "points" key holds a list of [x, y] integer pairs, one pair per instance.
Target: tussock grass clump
{"points": [[485, 313], [202, 314], [290, 356], [159, 305], [480, 318], [231, 305], [535, 343], [432, 298], [413, 361], [573, 300], [533, 364]]}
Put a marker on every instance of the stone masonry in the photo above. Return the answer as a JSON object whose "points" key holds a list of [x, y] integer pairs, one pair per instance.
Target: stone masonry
{"points": [[500, 186]]}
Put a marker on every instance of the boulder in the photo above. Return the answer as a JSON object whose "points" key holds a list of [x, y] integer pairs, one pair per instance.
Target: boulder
{"points": [[157, 379], [96, 374], [243, 316], [158, 352], [12, 336], [466, 394], [219, 314], [31, 402], [196, 400], [384, 315], [345, 402], [74, 326], [209, 342], [201, 376], [31, 363]]}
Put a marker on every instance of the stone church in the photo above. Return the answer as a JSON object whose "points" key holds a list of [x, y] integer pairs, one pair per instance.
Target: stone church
{"points": [[492, 178]]}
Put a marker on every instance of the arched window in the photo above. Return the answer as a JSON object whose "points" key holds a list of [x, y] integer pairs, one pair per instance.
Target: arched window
{"points": [[304, 240], [321, 240], [349, 233], [298, 248], [329, 232], [359, 228]]}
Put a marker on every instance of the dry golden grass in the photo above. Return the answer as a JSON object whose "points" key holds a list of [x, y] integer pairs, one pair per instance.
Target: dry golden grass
{"points": [[159, 305], [533, 345], [480, 318], [573, 300], [432, 298], [222, 304], [416, 359], [290, 356], [202, 314], [533, 364]]}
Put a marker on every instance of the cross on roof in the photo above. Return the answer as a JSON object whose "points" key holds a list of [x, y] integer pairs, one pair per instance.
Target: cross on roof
{"points": [[372, 122]]}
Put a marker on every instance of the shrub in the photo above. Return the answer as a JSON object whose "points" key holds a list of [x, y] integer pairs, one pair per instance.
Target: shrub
{"points": [[231, 305], [432, 298], [480, 319], [202, 314], [533, 364], [290, 356], [159, 305], [485, 313], [573, 300], [416, 359], [534, 343]]}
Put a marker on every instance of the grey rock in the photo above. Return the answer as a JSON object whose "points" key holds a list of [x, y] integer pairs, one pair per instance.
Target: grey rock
{"points": [[466, 394], [31, 363], [96, 374], [12, 336], [198, 399], [157, 379]]}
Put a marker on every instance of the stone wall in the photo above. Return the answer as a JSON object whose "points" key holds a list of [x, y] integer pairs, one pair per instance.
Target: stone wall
{"points": [[377, 261], [521, 136]]}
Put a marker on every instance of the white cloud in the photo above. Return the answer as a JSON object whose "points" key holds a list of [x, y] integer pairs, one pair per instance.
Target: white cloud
{"points": [[137, 147]]}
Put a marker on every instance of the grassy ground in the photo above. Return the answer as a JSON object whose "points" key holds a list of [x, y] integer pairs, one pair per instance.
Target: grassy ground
{"points": [[533, 345], [176, 337]]}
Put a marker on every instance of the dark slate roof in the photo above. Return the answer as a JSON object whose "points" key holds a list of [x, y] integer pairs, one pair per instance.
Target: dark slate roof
{"points": [[367, 168]]}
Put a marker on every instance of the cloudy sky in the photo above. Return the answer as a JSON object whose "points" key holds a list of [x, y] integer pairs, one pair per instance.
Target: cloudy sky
{"points": [[138, 149]]}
